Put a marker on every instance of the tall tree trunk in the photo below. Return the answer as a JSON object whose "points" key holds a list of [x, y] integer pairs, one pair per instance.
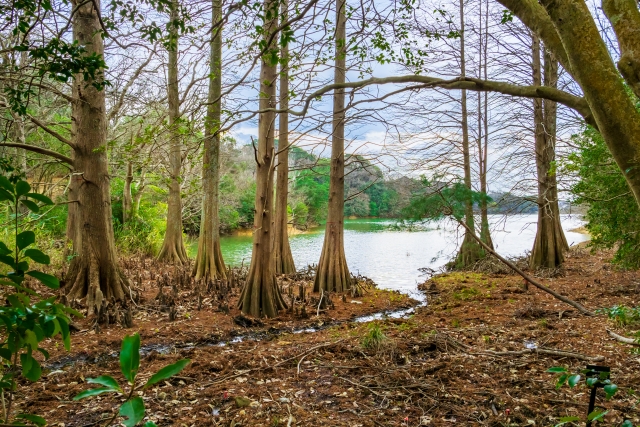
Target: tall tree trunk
{"points": [[470, 251], [284, 258], [127, 201], [94, 272], [483, 126], [209, 262], [261, 295], [333, 273], [173, 249], [550, 243]]}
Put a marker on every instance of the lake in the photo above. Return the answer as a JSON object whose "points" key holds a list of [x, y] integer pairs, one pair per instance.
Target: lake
{"points": [[392, 257]]}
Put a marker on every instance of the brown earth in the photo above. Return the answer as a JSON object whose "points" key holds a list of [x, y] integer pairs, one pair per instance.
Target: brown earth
{"points": [[459, 361]]}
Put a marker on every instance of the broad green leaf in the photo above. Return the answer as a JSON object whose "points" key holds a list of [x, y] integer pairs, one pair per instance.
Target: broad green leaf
{"points": [[71, 311], [567, 420], [32, 206], [106, 381], [10, 261], [6, 354], [38, 256], [133, 410], [610, 390], [44, 352], [64, 330], [15, 301], [40, 197], [561, 380], [22, 188], [5, 196], [626, 423], [25, 239], [33, 372], [46, 279], [31, 339], [167, 372], [6, 184], [35, 419], [17, 286], [596, 414], [4, 250], [130, 357], [557, 369], [152, 424], [591, 381], [93, 392], [573, 380]]}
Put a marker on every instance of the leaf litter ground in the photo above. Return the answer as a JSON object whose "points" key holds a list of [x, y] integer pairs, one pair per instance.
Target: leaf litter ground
{"points": [[464, 359]]}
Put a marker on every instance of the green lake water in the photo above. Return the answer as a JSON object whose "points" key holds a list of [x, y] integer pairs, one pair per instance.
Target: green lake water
{"points": [[391, 256]]}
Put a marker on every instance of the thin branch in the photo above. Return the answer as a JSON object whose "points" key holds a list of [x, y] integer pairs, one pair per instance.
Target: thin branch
{"points": [[39, 150]]}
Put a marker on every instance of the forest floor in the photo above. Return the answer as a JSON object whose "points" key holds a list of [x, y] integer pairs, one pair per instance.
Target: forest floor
{"points": [[460, 360]]}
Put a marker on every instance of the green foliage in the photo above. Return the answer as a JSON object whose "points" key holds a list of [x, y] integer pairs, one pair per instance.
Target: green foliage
{"points": [[300, 214], [591, 379], [28, 318], [375, 338], [613, 217], [621, 314], [313, 186], [437, 201], [132, 409]]}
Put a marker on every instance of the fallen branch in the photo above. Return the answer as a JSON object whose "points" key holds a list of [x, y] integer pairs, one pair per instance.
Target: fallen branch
{"points": [[548, 351], [622, 339], [362, 386], [525, 276]]}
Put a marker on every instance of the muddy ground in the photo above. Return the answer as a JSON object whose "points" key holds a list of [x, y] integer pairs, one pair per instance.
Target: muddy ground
{"points": [[461, 360]]}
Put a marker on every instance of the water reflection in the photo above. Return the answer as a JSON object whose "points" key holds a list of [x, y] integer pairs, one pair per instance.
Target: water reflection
{"points": [[392, 257]]}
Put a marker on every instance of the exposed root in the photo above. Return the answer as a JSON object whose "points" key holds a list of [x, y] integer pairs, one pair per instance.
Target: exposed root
{"points": [[99, 284]]}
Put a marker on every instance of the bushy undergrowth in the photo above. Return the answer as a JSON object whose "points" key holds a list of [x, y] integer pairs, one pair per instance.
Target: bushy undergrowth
{"points": [[613, 217]]}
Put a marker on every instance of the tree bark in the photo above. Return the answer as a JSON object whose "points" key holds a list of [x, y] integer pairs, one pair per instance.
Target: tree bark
{"points": [[333, 273], [588, 60], [173, 249], [625, 19], [550, 243], [209, 262], [261, 295], [470, 251], [284, 257], [127, 200], [483, 126], [94, 272]]}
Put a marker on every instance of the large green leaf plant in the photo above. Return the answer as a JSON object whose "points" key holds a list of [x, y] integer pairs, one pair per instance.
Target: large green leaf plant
{"points": [[27, 318], [132, 410]]}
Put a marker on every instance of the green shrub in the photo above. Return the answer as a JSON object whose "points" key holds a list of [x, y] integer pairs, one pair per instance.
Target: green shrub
{"points": [[374, 339], [143, 234], [132, 409], [613, 217], [27, 318], [300, 214]]}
